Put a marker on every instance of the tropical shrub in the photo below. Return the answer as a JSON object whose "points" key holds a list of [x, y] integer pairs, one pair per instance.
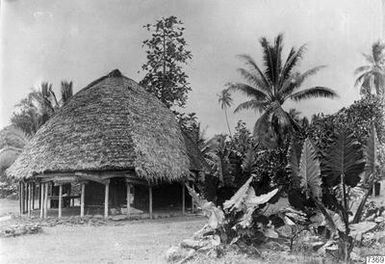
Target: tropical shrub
{"points": [[241, 217]]}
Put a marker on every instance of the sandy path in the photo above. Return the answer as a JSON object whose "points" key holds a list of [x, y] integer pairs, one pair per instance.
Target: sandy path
{"points": [[134, 242]]}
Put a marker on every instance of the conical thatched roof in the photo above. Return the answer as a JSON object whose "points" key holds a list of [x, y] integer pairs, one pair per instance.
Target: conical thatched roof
{"points": [[112, 124]]}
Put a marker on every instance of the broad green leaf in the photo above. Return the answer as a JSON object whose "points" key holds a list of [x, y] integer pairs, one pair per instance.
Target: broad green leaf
{"points": [[237, 200], [344, 158], [309, 171], [216, 218], [270, 232], [215, 215], [293, 157], [253, 200], [357, 230]]}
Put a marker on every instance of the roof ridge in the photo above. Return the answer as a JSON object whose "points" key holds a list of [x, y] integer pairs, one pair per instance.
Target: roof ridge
{"points": [[113, 74]]}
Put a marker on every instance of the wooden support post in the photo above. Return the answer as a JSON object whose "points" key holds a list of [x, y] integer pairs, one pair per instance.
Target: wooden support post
{"points": [[82, 200], [46, 200], [150, 200], [24, 199], [20, 199], [60, 200], [33, 195], [183, 199], [50, 193], [192, 200], [106, 194], [41, 205], [40, 197], [29, 199], [128, 198]]}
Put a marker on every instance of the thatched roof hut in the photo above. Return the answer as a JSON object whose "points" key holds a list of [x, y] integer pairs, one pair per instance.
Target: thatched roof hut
{"points": [[113, 124]]}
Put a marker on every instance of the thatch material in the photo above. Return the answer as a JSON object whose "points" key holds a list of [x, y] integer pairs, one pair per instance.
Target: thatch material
{"points": [[112, 124]]}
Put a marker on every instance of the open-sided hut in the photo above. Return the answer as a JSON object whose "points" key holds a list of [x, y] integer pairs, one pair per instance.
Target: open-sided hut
{"points": [[120, 143]]}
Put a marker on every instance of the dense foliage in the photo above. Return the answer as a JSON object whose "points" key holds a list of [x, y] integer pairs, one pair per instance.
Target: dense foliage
{"points": [[358, 119]]}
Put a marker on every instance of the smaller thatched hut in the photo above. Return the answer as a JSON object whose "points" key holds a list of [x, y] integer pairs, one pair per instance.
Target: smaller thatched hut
{"points": [[120, 143]]}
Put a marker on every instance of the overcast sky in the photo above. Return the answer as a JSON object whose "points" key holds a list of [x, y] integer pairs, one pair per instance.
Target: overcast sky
{"points": [[82, 40]]}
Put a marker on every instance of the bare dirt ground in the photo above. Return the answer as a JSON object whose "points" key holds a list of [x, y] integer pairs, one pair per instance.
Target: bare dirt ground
{"points": [[133, 242]]}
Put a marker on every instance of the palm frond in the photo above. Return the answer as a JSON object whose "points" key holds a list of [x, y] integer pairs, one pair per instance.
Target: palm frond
{"points": [[251, 104], [249, 91], [292, 61], [268, 59], [250, 61], [313, 92], [277, 51], [362, 69], [253, 80], [361, 79], [369, 58], [297, 80]]}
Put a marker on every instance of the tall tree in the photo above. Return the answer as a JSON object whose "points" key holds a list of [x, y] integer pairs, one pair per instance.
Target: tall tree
{"points": [[225, 101], [269, 88], [371, 77], [166, 54]]}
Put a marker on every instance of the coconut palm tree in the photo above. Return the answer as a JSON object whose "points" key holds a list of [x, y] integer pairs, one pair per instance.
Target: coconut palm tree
{"points": [[370, 78], [39, 105], [225, 102], [66, 91], [269, 88]]}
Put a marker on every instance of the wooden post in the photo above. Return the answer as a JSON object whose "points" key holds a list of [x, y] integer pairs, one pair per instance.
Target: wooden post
{"points": [[33, 195], [46, 200], [192, 199], [183, 199], [82, 200], [60, 200], [49, 194], [20, 199], [41, 205], [128, 198], [24, 199], [29, 199], [106, 190], [150, 200], [40, 196]]}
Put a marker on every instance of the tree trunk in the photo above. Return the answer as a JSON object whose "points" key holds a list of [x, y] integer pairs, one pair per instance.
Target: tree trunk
{"points": [[227, 122]]}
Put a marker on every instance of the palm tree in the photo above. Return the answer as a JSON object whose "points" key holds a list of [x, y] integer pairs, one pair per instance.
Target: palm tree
{"points": [[371, 77], [225, 101], [270, 88], [39, 106], [66, 91]]}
